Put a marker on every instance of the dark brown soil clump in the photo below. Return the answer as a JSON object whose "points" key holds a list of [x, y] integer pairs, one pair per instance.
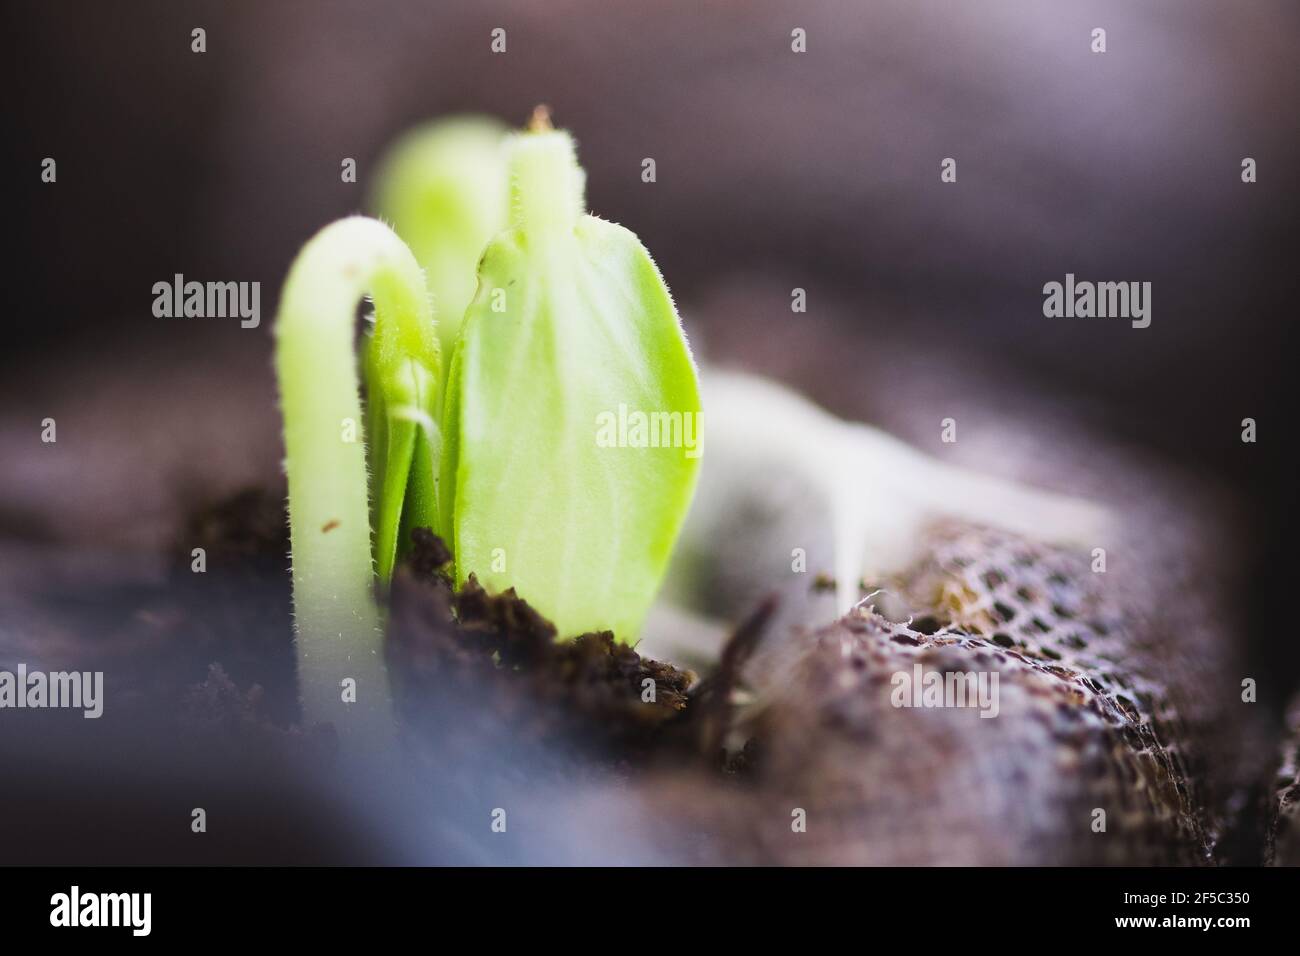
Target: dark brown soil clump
{"points": [[498, 662]]}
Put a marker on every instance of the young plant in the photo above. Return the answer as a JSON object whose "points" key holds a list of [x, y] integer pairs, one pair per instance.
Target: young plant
{"points": [[572, 413], [566, 452], [338, 624]]}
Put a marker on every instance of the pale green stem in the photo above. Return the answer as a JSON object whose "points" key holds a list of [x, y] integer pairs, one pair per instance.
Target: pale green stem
{"points": [[546, 182], [338, 623]]}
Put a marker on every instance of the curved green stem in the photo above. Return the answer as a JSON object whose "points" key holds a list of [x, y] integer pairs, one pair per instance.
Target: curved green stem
{"points": [[338, 623]]}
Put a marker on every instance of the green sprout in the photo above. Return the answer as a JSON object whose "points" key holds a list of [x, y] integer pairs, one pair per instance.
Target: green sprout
{"points": [[572, 416], [561, 456], [338, 624]]}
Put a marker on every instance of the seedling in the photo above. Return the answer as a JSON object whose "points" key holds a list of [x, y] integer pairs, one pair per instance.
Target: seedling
{"points": [[562, 455]]}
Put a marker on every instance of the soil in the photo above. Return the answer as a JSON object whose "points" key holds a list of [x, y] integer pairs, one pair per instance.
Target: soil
{"points": [[1103, 707], [497, 658], [469, 669], [1097, 713]]}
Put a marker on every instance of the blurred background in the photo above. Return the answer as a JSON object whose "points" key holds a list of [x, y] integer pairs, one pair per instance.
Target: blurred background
{"points": [[775, 170]]}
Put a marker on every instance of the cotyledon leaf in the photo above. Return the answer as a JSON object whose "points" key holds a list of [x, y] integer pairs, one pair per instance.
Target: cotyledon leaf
{"points": [[573, 414], [444, 189]]}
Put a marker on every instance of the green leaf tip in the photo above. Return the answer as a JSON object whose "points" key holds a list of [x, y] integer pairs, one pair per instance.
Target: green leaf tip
{"points": [[573, 414]]}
